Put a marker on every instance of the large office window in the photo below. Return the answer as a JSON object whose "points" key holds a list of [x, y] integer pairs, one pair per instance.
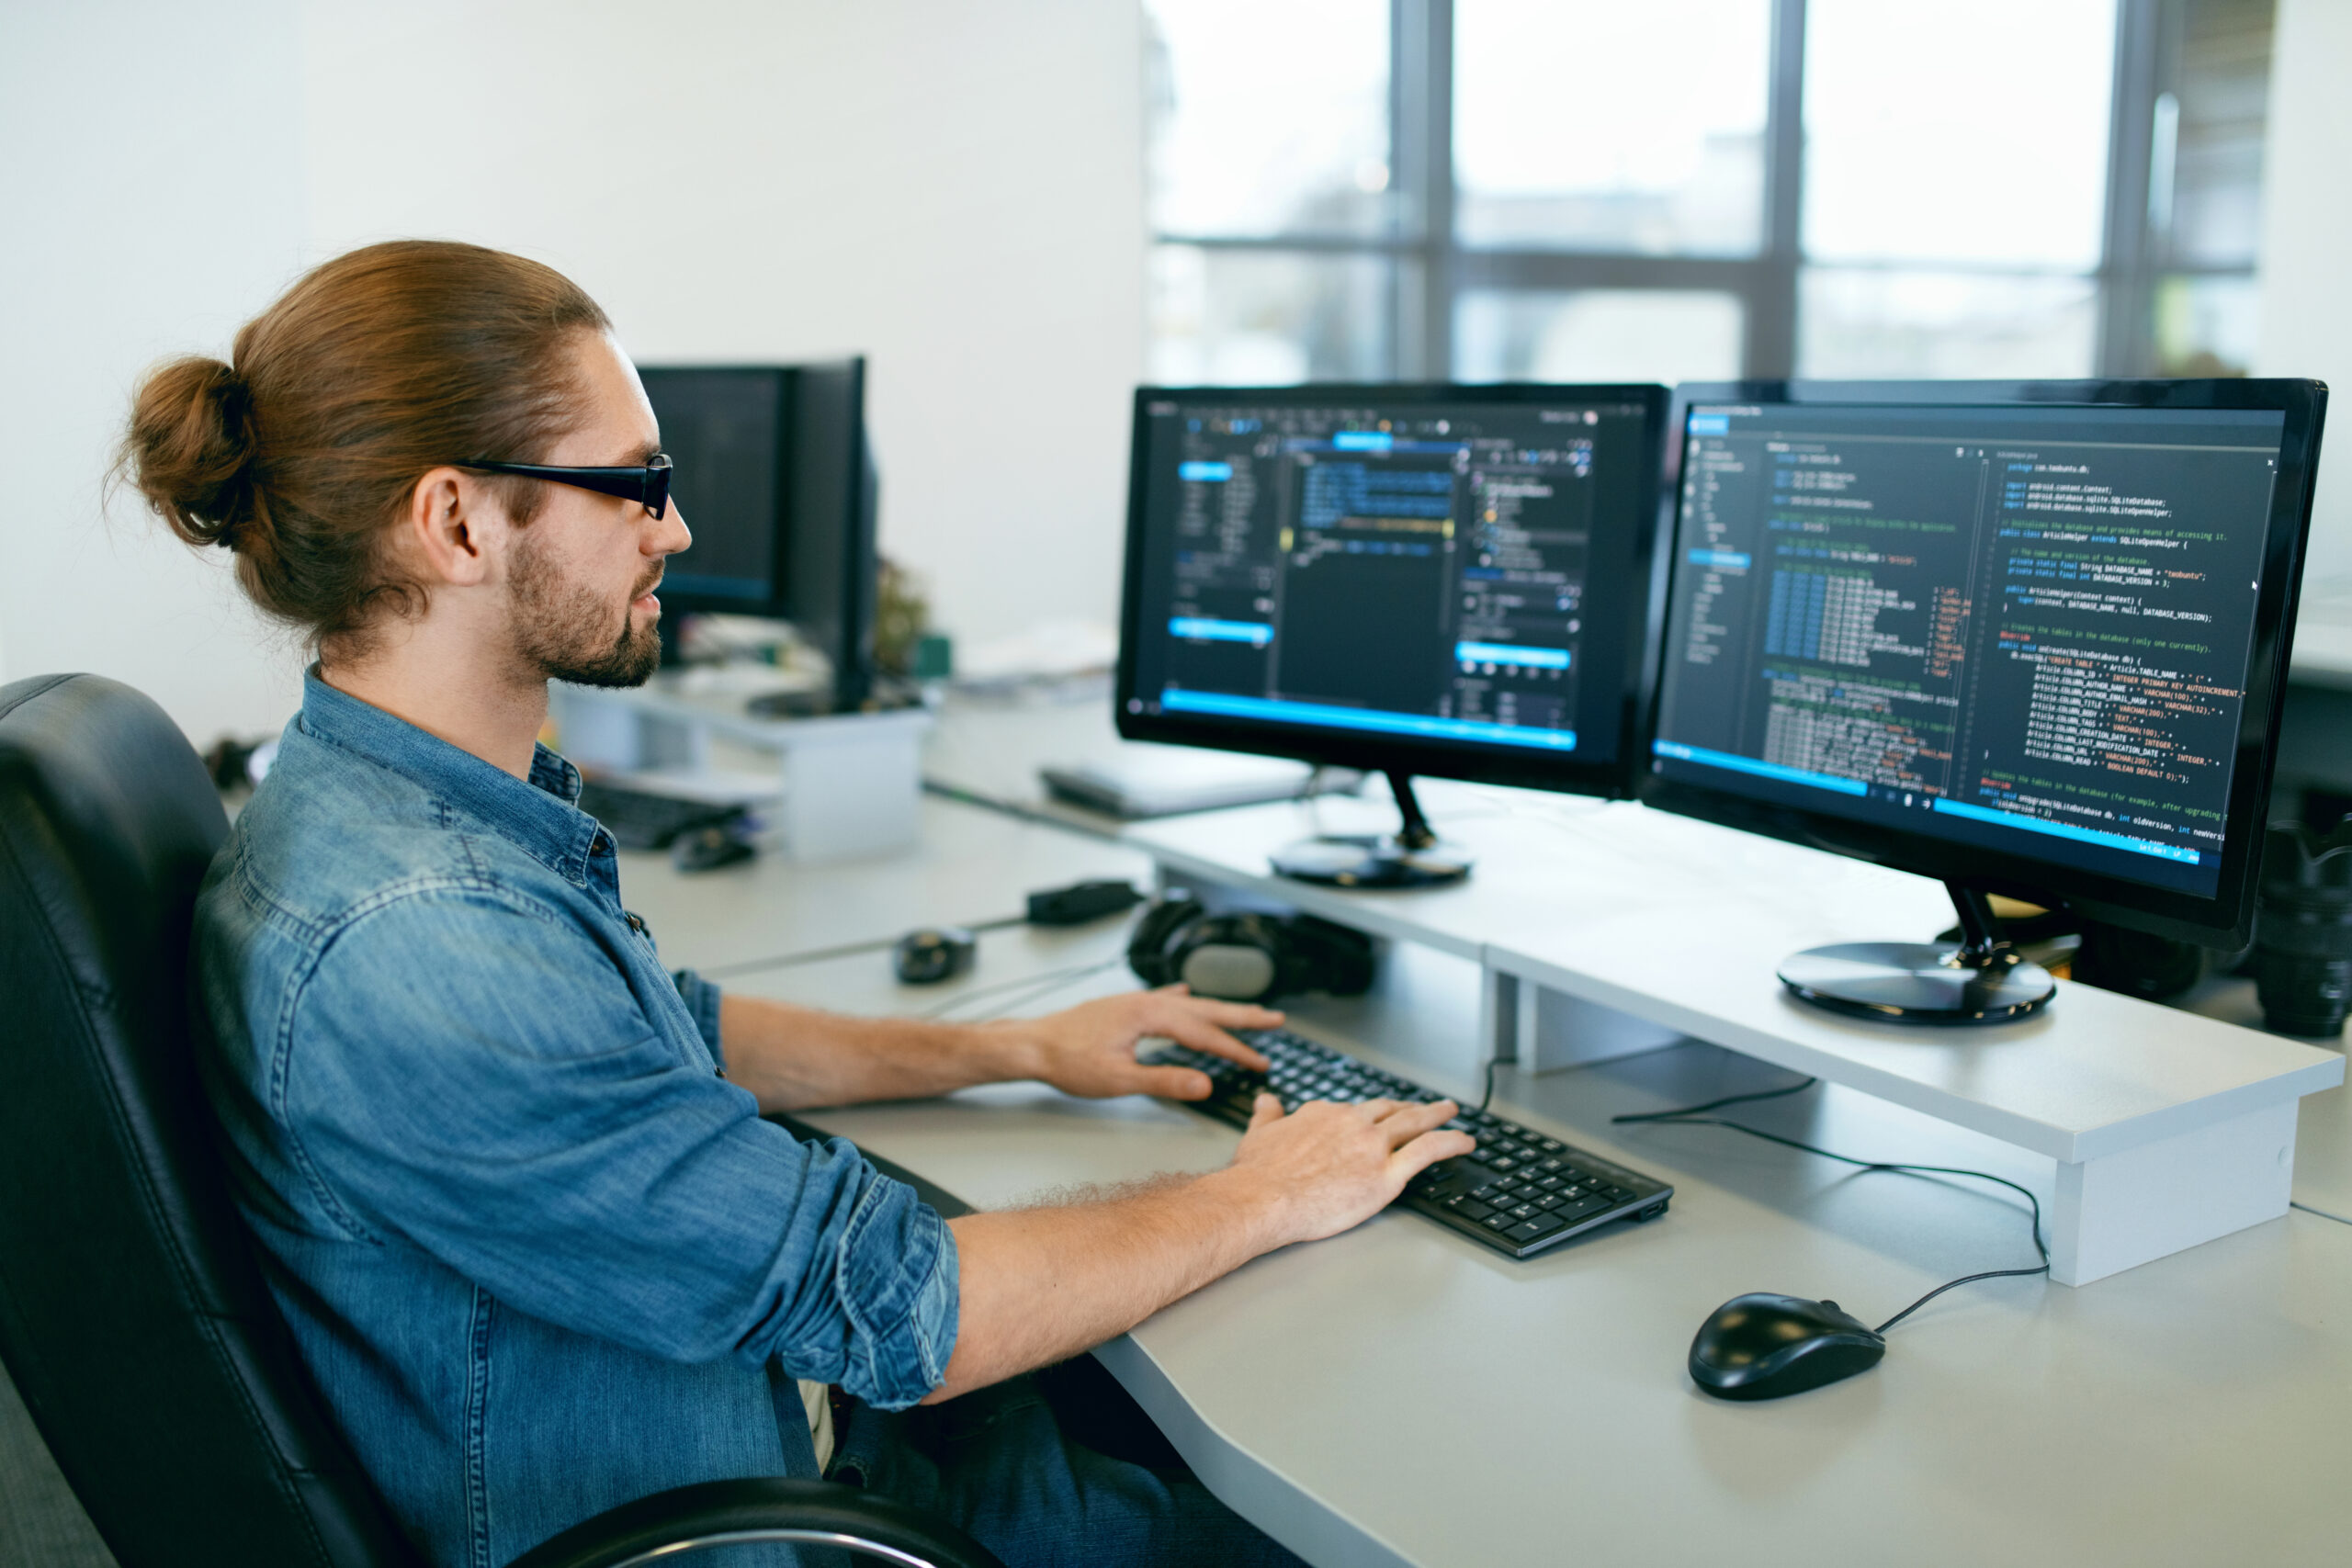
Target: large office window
{"points": [[1687, 190]]}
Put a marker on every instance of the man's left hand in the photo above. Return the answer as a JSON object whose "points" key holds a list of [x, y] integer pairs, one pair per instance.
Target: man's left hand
{"points": [[1090, 1050]]}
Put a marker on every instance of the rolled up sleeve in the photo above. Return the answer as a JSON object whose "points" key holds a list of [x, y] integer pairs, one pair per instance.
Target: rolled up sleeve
{"points": [[522, 1116]]}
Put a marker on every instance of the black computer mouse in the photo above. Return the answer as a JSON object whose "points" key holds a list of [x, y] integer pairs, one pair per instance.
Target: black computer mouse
{"points": [[933, 954], [1761, 1346], [711, 846]]}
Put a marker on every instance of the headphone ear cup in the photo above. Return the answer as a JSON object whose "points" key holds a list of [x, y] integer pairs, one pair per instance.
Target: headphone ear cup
{"points": [[1155, 928], [1323, 955], [1236, 958]]}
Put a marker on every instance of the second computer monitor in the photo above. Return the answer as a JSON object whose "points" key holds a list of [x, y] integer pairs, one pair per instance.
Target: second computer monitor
{"points": [[1439, 580], [2021, 637], [775, 479]]}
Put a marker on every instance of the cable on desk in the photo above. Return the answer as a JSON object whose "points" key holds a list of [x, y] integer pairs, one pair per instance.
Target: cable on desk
{"points": [[846, 949], [1015, 808], [1032, 998], [2323, 1213], [1051, 980], [1798, 1087], [1687, 1117]]}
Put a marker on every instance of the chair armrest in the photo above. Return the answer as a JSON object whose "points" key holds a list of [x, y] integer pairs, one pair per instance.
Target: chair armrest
{"points": [[729, 1513]]}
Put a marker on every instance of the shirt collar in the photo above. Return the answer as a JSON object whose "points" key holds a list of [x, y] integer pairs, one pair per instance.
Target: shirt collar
{"points": [[542, 816]]}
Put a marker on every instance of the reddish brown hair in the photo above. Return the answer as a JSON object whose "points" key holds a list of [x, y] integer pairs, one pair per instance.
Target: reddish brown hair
{"points": [[374, 368]]}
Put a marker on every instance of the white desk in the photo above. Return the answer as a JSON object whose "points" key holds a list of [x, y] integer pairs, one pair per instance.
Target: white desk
{"points": [[1400, 1396], [2167, 1128]]}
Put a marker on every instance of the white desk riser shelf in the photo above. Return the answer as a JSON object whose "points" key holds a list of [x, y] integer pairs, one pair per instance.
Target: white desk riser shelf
{"points": [[1604, 930]]}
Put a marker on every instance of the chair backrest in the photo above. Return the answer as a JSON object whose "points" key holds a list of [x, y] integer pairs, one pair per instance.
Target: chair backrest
{"points": [[133, 1313]]}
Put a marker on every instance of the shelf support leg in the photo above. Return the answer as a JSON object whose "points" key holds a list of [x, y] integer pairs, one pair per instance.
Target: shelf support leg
{"points": [[2122, 1210]]}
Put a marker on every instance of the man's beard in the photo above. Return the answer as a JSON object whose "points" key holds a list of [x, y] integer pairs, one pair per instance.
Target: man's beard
{"points": [[564, 630]]}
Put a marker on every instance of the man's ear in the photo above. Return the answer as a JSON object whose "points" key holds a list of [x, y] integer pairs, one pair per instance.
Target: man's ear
{"points": [[448, 527]]}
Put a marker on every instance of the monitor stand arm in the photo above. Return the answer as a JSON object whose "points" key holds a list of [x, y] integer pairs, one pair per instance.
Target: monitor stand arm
{"points": [[1979, 948], [1983, 980], [1414, 832], [1413, 856]]}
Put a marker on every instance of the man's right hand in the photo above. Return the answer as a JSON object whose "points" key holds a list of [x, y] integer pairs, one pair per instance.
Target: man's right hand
{"points": [[1327, 1167]]}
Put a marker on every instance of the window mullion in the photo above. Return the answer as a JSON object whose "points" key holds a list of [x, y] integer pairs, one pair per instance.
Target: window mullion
{"points": [[2127, 280], [1422, 43], [1772, 347]]}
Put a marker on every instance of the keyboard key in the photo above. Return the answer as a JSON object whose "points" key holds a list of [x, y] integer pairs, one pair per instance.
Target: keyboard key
{"points": [[1581, 1208], [1525, 1231], [1498, 1222], [1551, 1184], [1546, 1224], [1550, 1200], [1554, 1147], [1502, 1163], [1471, 1209]]}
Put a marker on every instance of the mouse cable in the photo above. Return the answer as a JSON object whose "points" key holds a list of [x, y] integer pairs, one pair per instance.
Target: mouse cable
{"points": [[1051, 980], [846, 949], [1047, 985], [1798, 1087], [1666, 1115], [1684, 1119]]}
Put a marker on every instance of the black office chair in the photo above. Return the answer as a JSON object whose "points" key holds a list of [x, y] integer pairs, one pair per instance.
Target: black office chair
{"points": [[133, 1313]]}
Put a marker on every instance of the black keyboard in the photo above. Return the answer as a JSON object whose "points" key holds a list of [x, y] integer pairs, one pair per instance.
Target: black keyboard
{"points": [[640, 820], [1518, 1192]]}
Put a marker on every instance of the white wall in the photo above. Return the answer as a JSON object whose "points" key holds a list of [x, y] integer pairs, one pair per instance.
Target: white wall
{"points": [[2307, 253], [148, 155], [952, 189]]}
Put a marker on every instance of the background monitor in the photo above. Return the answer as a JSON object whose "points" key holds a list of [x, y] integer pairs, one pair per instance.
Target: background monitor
{"points": [[776, 477], [2025, 637], [1442, 580]]}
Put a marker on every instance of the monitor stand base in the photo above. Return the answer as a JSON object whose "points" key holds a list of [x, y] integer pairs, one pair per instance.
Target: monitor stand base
{"points": [[1413, 856], [1981, 981]]}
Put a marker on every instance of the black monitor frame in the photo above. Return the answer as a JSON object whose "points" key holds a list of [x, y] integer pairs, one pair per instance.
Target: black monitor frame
{"points": [[2224, 919], [824, 566], [1395, 755]]}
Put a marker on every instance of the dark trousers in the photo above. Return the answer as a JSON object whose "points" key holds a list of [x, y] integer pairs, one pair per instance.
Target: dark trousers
{"points": [[1057, 1467]]}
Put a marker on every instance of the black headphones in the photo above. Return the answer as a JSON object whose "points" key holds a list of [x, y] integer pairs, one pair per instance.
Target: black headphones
{"points": [[1245, 957]]}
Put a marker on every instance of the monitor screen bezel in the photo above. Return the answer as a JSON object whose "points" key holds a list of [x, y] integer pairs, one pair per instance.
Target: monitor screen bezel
{"points": [[2223, 920], [1471, 760]]}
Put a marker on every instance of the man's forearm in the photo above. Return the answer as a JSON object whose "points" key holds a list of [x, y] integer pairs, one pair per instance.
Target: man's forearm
{"points": [[792, 1056], [1041, 1285]]}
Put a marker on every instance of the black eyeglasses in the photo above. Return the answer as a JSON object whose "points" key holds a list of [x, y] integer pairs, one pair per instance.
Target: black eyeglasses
{"points": [[648, 486]]}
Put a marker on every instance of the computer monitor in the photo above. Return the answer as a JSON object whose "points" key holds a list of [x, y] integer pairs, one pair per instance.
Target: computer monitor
{"points": [[1440, 580], [2026, 637], [776, 477]]}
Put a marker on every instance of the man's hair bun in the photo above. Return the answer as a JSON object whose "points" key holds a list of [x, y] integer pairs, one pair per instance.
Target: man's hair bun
{"points": [[191, 449]]}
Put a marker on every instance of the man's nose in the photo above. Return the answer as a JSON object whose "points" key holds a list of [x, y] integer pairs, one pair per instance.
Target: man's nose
{"points": [[670, 536]]}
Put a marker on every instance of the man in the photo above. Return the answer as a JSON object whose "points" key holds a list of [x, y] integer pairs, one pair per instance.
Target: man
{"points": [[512, 1188]]}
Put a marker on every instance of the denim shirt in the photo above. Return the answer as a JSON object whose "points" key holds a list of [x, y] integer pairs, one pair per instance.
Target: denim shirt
{"points": [[540, 1256]]}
